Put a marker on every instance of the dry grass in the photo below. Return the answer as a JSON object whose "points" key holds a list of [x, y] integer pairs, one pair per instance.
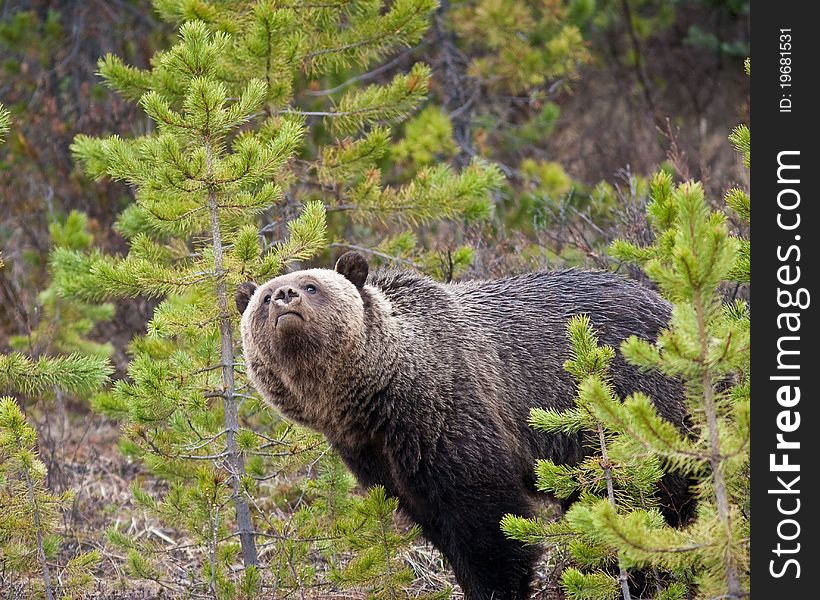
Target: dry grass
{"points": [[81, 454]]}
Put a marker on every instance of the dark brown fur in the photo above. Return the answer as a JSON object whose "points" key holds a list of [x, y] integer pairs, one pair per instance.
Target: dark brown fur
{"points": [[425, 388]]}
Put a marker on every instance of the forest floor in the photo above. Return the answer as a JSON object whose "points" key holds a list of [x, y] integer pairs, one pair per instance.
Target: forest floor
{"points": [[82, 456]]}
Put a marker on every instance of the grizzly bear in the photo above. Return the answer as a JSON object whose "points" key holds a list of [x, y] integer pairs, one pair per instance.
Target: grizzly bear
{"points": [[425, 388]]}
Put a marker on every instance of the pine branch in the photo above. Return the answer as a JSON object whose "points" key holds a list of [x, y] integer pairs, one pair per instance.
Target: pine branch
{"points": [[75, 373], [388, 257], [366, 75], [5, 120]]}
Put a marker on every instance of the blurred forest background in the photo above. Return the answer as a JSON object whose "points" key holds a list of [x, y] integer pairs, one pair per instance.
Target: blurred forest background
{"points": [[550, 115]]}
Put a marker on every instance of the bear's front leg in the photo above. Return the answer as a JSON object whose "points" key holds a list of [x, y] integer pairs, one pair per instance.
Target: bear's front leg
{"points": [[487, 565], [459, 503]]}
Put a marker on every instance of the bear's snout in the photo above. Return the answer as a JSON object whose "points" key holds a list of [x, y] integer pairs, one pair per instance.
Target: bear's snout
{"points": [[287, 296], [286, 308]]}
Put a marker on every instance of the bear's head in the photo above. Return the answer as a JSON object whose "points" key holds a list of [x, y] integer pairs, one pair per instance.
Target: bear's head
{"points": [[305, 317]]}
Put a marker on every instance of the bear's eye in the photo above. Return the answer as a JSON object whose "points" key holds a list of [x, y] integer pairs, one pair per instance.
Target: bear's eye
{"points": [[310, 288], [266, 299]]}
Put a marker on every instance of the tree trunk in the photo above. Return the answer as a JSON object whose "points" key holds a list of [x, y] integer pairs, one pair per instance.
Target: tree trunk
{"points": [[721, 495], [236, 463], [733, 589], [38, 526], [610, 492], [458, 98]]}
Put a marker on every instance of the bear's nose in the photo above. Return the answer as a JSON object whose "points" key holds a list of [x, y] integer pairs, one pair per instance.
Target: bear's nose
{"points": [[285, 295]]}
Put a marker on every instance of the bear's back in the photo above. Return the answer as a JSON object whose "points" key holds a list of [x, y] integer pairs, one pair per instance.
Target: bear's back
{"points": [[528, 314], [538, 305], [516, 327]]}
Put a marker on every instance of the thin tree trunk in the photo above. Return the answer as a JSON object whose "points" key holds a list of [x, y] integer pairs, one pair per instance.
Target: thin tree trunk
{"points": [[610, 492], [640, 70], [733, 588], [458, 99], [721, 495], [235, 460], [212, 549], [41, 552]]}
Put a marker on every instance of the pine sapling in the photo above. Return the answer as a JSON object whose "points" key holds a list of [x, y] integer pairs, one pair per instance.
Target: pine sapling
{"points": [[236, 183], [31, 516], [707, 346], [613, 470]]}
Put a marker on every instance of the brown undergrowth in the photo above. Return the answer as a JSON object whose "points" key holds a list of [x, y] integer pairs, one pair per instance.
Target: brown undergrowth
{"points": [[80, 450]]}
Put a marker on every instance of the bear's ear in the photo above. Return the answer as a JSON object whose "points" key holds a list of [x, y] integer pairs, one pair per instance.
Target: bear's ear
{"points": [[353, 266], [243, 295]]}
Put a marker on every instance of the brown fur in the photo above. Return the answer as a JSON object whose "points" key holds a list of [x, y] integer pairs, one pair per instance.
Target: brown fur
{"points": [[425, 388]]}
